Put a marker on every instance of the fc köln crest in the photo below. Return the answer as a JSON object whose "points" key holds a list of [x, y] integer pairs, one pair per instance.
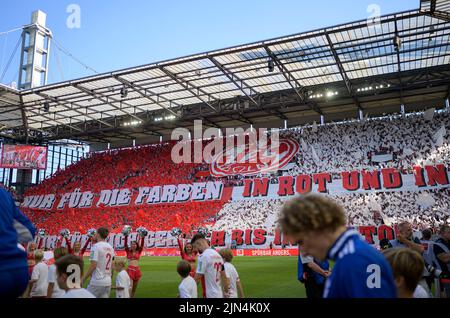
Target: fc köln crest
{"points": [[252, 161]]}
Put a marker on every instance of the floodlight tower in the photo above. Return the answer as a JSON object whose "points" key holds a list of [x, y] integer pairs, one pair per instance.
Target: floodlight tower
{"points": [[35, 52], [33, 69]]}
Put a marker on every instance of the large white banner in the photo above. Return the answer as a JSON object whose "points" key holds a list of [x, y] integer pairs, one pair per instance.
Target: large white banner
{"points": [[349, 182], [239, 238], [384, 180]]}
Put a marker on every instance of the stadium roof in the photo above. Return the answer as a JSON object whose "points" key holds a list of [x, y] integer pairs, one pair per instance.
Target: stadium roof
{"points": [[10, 110], [438, 8], [334, 72]]}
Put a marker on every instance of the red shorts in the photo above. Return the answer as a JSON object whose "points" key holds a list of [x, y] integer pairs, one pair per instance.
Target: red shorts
{"points": [[134, 272]]}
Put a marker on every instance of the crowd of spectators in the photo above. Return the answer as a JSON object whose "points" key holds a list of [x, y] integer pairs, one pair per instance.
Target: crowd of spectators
{"points": [[125, 168], [412, 140], [362, 209], [336, 147]]}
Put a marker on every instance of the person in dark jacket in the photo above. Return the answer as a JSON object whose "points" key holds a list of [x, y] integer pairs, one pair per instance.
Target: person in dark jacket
{"points": [[312, 273], [319, 224], [15, 228]]}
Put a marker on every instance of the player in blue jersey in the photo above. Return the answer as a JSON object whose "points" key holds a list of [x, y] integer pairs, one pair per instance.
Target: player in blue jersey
{"points": [[14, 228], [319, 223]]}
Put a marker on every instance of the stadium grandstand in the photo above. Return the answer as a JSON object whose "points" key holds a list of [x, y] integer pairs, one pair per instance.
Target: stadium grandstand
{"points": [[362, 110], [341, 73]]}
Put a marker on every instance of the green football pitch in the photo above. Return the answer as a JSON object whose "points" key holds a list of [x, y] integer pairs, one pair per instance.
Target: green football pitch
{"points": [[262, 277]]}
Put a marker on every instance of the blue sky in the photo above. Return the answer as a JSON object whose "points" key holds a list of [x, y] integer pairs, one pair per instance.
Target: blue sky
{"points": [[118, 34]]}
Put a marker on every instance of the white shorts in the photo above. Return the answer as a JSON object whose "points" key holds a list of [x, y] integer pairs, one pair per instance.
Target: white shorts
{"points": [[99, 291]]}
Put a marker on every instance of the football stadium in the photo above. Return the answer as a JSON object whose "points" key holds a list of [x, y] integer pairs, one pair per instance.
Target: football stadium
{"points": [[309, 165]]}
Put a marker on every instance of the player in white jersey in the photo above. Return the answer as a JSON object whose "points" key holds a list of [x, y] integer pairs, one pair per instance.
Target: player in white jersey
{"points": [[69, 272], [210, 267], [101, 268], [236, 289]]}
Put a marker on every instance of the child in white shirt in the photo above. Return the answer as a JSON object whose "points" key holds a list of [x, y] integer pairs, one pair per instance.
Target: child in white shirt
{"points": [[39, 277], [188, 286], [69, 273], [232, 275], [123, 282]]}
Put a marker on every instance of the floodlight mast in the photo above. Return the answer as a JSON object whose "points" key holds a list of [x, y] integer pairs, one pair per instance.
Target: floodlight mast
{"points": [[35, 52]]}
